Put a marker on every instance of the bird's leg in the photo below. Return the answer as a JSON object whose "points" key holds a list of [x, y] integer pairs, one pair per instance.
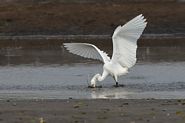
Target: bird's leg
{"points": [[116, 80], [117, 84]]}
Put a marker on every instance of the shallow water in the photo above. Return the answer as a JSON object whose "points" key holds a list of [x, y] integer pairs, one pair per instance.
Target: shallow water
{"points": [[53, 73]]}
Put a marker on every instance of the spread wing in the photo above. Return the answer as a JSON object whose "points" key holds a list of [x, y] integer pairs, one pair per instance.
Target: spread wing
{"points": [[87, 50], [125, 41]]}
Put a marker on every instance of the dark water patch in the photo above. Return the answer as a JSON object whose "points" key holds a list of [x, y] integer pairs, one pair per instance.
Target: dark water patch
{"points": [[49, 56], [55, 41], [161, 54]]}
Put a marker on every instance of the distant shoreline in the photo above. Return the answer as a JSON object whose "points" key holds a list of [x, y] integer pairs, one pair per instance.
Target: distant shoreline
{"points": [[48, 41], [88, 1], [65, 17], [144, 36]]}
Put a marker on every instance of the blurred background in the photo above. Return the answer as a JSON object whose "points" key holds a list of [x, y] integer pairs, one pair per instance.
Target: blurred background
{"points": [[88, 17]]}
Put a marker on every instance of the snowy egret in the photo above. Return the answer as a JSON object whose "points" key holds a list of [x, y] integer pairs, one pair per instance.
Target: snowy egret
{"points": [[124, 50]]}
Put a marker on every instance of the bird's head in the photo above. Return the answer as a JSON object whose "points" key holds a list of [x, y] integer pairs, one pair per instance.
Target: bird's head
{"points": [[93, 83], [94, 80]]}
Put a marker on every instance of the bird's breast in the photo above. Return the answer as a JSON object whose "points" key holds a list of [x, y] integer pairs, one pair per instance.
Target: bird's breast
{"points": [[115, 69]]}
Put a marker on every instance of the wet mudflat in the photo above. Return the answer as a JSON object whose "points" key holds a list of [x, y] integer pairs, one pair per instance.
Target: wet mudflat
{"points": [[93, 111]]}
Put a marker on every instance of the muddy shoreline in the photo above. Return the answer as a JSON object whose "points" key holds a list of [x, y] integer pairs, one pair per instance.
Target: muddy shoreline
{"points": [[57, 42], [97, 18], [91, 111]]}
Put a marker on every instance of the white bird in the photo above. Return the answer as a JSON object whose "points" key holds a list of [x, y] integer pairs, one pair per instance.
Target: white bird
{"points": [[124, 50]]}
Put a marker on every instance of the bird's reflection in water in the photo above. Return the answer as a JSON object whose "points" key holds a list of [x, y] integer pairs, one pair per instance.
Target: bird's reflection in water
{"points": [[115, 93]]}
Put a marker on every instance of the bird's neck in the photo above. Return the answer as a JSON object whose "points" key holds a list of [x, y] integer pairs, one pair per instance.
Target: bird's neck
{"points": [[97, 77]]}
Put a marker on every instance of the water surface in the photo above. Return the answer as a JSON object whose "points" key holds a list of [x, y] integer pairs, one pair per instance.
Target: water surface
{"points": [[53, 73]]}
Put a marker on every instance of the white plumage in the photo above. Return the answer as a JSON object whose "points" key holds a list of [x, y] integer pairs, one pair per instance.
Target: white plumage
{"points": [[87, 50], [124, 50]]}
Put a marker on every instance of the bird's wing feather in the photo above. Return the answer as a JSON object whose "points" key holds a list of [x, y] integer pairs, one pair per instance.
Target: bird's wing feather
{"points": [[125, 41], [87, 50]]}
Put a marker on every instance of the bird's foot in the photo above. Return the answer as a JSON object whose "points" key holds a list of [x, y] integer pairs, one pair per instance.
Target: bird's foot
{"points": [[119, 85], [100, 86]]}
